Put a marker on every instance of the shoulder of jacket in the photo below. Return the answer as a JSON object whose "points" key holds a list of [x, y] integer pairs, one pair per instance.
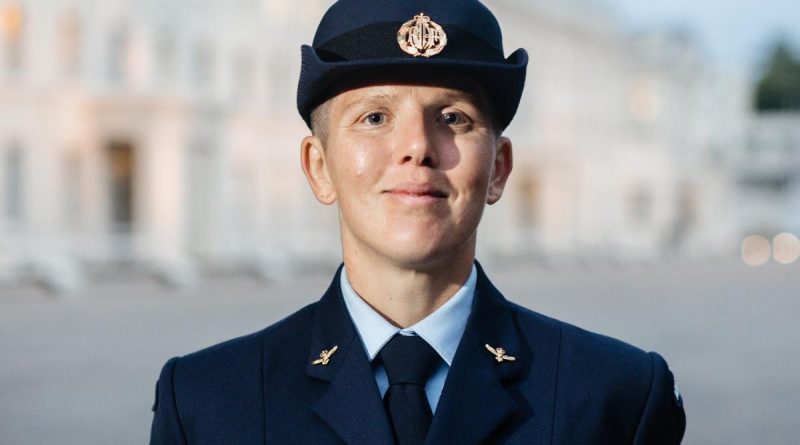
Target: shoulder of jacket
{"points": [[580, 347], [246, 351]]}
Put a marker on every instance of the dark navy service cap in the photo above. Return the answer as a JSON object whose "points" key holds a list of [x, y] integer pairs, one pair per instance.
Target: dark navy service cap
{"points": [[457, 35]]}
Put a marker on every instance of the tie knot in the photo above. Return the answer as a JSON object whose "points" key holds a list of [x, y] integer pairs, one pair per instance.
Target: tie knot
{"points": [[408, 360]]}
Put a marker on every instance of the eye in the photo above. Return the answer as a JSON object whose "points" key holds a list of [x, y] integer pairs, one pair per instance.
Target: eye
{"points": [[452, 118], [375, 118]]}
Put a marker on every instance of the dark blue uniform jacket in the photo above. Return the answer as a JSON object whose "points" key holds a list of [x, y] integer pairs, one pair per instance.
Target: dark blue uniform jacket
{"points": [[567, 386]]}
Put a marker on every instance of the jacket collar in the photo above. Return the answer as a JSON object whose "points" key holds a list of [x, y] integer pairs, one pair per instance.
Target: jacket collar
{"points": [[442, 329], [477, 397], [352, 405]]}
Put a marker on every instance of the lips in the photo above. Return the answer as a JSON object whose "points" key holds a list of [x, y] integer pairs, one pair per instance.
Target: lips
{"points": [[418, 190]]}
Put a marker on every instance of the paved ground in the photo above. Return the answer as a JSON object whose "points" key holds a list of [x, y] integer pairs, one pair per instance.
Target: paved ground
{"points": [[82, 370]]}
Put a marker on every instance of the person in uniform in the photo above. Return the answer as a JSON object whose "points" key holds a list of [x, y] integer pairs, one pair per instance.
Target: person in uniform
{"points": [[407, 101]]}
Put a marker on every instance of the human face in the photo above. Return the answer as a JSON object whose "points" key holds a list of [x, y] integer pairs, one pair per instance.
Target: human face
{"points": [[411, 168]]}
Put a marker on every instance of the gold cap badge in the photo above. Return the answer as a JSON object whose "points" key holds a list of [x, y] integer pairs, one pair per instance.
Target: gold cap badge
{"points": [[500, 354], [421, 36]]}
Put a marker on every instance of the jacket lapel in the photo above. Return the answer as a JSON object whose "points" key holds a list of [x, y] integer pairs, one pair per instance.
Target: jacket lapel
{"points": [[477, 397], [352, 405]]}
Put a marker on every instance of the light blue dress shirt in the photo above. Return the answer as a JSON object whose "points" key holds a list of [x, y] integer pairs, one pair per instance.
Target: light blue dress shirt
{"points": [[442, 330]]}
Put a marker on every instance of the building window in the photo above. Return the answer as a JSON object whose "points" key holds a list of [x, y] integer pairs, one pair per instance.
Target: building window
{"points": [[203, 66], [686, 217], [166, 49], [70, 44], [530, 191], [243, 75], [73, 190], [201, 193], [118, 53], [121, 160], [640, 206], [644, 102], [14, 184], [12, 22]]}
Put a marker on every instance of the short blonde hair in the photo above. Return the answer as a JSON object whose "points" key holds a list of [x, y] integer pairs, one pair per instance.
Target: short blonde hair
{"points": [[319, 120]]}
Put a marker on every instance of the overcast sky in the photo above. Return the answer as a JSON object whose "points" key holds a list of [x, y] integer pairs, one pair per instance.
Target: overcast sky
{"points": [[735, 32]]}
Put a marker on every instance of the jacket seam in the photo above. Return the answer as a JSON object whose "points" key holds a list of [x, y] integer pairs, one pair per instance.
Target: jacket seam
{"points": [[263, 387], [175, 401], [647, 398], [555, 384]]}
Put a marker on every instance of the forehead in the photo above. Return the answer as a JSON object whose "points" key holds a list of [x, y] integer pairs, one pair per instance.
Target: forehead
{"points": [[441, 84], [394, 93]]}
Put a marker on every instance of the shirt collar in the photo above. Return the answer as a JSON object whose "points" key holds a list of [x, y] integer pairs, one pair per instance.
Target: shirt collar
{"points": [[442, 329]]}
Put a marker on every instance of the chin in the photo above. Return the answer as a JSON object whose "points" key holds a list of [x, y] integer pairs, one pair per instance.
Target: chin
{"points": [[422, 253]]}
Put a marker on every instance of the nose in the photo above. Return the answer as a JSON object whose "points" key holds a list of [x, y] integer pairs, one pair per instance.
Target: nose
{"points": [[416, 144]]}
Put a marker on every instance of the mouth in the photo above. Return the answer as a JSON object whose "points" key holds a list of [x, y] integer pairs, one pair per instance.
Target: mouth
{"points": [[417, 195], [418, 191]]}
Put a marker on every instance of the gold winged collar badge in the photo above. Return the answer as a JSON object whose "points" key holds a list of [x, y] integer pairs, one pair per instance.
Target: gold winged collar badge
{"points": [[325, 356], [500, 354]]}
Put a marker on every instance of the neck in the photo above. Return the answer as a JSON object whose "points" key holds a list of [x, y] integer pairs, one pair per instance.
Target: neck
{"points": [[405, 294]]}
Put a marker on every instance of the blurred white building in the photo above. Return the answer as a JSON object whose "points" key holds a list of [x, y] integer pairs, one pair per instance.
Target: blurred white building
{"points": [[163, 134], [618, 140], [767, 171], [160, 133]]}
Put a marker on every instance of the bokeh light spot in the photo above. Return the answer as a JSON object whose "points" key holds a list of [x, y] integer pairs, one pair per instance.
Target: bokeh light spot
{"points": [[785, 248], [756, 250]]}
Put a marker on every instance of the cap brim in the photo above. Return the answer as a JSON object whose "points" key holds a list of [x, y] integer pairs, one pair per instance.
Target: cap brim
{"points": [[503, 82]]}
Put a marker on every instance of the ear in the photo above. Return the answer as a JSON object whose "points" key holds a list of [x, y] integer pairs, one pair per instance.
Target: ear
{"points": [[503, 163], [315, 167]]}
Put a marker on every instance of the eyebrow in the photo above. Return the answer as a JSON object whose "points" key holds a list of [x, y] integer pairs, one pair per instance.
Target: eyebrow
{"points": [[368, 101], [460, 95], [382, 99]]}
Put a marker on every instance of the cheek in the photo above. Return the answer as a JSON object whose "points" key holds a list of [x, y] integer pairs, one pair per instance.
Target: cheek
{"points": [[359, 164], [477, 173], [472, 157], [358, 168]]}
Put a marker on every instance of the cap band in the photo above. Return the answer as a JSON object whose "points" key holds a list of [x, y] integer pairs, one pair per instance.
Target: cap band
{"points": [[379, 41]]}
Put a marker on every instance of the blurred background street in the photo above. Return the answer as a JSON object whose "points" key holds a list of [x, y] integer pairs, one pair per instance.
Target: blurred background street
{"points": [[82, 371]]}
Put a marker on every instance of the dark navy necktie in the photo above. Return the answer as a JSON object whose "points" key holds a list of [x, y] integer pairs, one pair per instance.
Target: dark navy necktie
{"points": [[409, 363]]}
